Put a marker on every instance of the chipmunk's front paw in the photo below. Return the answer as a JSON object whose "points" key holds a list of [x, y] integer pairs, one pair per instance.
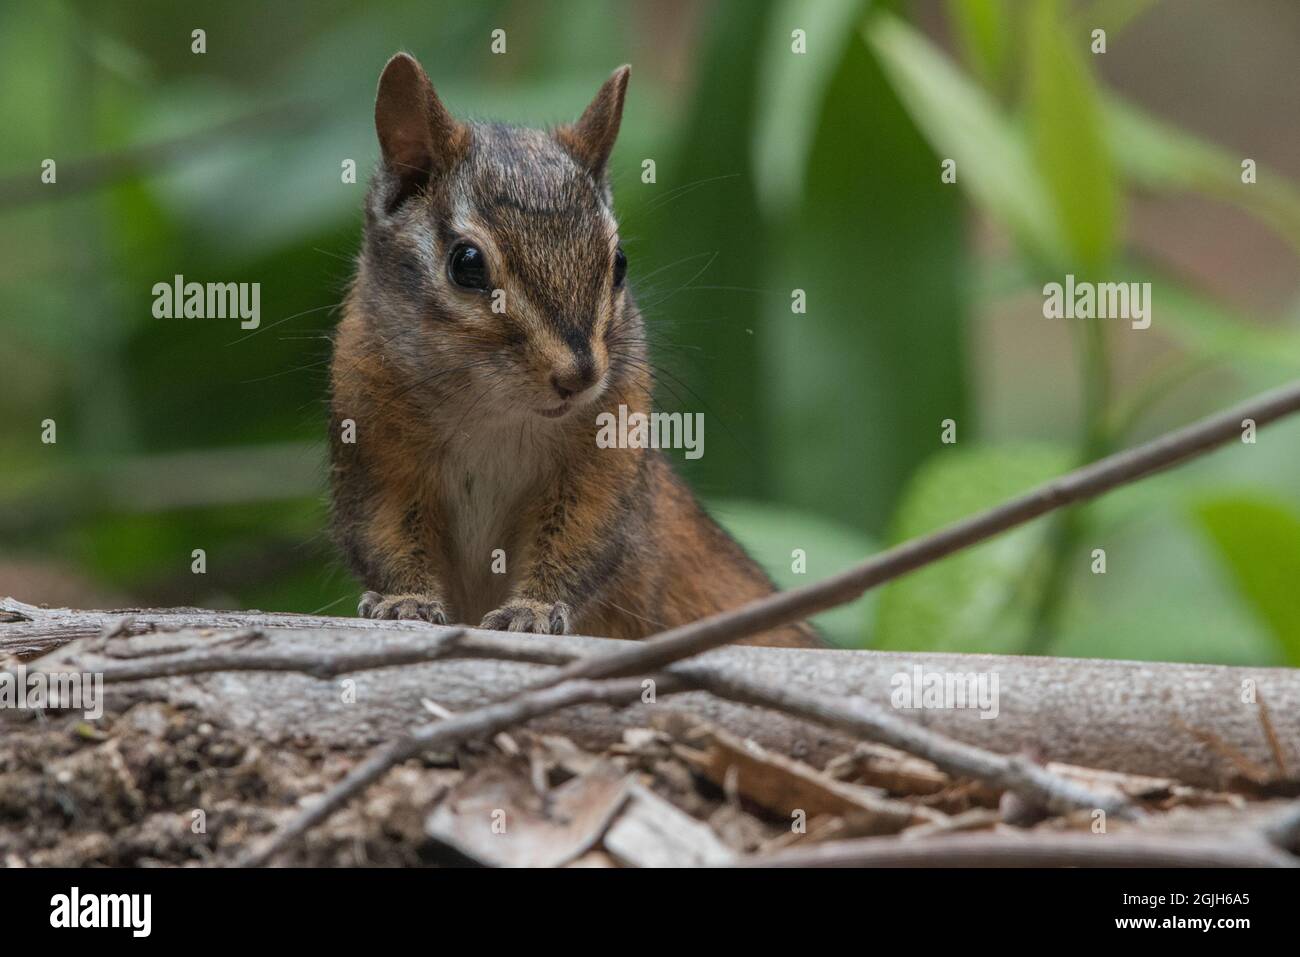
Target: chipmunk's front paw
{"points": [[410, 607], [534, 616]]}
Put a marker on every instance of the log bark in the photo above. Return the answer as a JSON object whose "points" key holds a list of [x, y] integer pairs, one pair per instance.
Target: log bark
{"points": [[1196, 723]]}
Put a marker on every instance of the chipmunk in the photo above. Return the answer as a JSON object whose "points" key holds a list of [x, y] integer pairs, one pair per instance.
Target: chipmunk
{"points": [[488, 324]]}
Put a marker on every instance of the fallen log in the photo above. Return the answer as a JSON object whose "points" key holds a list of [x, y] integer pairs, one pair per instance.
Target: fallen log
{"points": [[1201, 724]]}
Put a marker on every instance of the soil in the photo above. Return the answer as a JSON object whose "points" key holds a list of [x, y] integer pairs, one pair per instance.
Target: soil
{"points": [[157, 785]]}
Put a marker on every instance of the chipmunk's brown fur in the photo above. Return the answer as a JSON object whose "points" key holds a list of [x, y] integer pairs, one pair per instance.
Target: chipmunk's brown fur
{"points": [[472, 428]]}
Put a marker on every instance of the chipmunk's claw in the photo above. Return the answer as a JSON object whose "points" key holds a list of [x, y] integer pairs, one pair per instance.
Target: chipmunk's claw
{"points": [[404, 607], [537, 617]]}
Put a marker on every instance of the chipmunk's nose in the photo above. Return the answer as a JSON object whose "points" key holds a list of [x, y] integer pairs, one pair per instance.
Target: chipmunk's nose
{"points": [[575, 378]]}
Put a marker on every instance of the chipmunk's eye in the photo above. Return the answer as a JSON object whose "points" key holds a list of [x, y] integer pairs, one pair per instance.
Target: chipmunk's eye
{"points": [[620, 267], [468, 267]]}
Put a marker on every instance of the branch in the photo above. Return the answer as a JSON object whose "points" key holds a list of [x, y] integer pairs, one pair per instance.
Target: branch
{"points": [[1008, 773], [1080, 485], [1025, 778], [571, 684], [1126, 716], [729, 675], [1018, 775], [1036, 849], [31, 630], [322, 663], [479, 723]]}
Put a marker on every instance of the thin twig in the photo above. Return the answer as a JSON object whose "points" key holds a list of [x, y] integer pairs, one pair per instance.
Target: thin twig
{"points": [[1035, 849], [1030, 780], [1025, 778], [1008, 772], [1080, 485], [1274, 744], [480, 722], [323, 663]]}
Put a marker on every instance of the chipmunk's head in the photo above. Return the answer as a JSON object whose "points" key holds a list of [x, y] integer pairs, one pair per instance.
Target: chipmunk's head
{"points": [[492, 266]]}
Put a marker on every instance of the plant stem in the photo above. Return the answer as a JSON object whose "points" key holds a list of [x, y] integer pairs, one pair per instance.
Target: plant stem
{"points": [[1072, 525]]}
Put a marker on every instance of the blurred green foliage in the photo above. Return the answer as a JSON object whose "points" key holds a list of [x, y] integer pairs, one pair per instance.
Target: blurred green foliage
{"points": [[775, 172], [981, 598]]}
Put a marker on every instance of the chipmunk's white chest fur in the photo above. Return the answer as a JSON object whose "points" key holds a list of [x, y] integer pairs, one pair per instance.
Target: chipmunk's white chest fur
{"points": [[488, 480]]}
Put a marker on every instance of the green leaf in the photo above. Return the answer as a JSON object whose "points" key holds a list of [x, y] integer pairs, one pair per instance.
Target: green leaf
{"points": [[771, 533], [696, 241], [963, 123], [1157, 156], [973, 601], [1071, 151], [984, 30], [1164, 596], [1258, 540], [791, 90], [857, 385]]}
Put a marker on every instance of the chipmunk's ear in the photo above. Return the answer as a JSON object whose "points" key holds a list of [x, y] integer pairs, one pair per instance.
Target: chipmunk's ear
{"points": [[419, 139], [591, 139]]}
